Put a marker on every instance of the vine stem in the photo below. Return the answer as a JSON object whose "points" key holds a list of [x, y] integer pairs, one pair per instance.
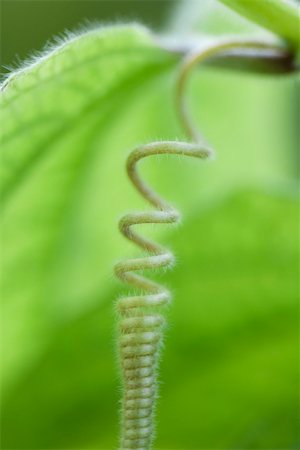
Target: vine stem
{"points": [[279, 16], [141, 321], [222, 49]]}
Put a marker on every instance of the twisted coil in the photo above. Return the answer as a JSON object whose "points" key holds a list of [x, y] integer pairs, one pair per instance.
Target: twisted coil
{"points": [[141, 324], [141, 321]]}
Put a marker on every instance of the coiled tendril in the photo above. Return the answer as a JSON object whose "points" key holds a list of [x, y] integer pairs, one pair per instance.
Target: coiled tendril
{"points": [[141, 323]]}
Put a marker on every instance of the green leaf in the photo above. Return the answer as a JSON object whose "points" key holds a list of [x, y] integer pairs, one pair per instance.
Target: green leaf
{"points": [[68, 122], [280, 16], [67, 125], [229, 367], [232, 347]]}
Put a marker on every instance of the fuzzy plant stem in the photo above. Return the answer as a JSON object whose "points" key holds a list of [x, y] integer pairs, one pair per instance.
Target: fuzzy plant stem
{"points": [[222, 50], [140, 316], [141, 322]]}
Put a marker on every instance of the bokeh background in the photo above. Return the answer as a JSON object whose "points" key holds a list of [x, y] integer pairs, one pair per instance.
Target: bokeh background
{"points": [[229, 372]]}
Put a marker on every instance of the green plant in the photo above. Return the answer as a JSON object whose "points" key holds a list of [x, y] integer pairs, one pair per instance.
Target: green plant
{"points": [[141, 324], [281, 17], [48, 151]]}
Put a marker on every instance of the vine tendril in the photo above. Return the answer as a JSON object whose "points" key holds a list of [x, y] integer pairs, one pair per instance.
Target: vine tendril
{"points": [[141, 320]]}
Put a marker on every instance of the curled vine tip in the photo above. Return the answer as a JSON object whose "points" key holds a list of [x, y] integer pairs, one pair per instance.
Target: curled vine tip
{"points": [[141, 320]]}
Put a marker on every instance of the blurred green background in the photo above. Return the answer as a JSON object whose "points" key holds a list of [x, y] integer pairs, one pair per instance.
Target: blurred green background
{"points": [[229, 372]]}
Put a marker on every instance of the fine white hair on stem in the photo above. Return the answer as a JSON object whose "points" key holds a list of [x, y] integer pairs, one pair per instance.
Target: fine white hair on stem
{"points": [[141, 320]]}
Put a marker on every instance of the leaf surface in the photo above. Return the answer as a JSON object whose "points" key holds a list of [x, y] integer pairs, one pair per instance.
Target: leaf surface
{"points": [[68, 122], [58, 176], [230, 359]]}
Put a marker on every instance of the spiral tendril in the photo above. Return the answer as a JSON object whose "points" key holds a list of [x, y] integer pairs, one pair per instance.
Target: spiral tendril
{"points": [[141, 320]]}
